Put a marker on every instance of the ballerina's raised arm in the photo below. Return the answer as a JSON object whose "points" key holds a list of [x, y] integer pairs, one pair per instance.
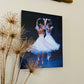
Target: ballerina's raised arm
{"points": [[37, 27], [45, 21]]}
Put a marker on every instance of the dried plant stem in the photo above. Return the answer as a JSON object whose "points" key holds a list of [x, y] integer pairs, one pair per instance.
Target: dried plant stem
{"points": [[11, 40], [8, 42], [6, 54], [19, 69], [6, 59], [2, 62], [3, 75], [1, 40], [14, 69], [27, 78], [1, 79], [2, 66]]}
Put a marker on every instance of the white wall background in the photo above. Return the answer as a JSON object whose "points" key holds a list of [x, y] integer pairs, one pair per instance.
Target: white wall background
{"points": [[73, 40]]}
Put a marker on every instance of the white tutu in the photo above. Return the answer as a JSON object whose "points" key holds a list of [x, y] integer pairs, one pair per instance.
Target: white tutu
{"points": [[52, 42], [41, 45]]}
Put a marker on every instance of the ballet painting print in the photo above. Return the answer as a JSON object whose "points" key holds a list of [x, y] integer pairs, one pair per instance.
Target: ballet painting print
{"points": [[46, 31]]}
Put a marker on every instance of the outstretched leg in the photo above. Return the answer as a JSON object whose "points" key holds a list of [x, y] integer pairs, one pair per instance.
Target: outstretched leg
{"points": [[48, 55], [42, 57], [38, 57]]}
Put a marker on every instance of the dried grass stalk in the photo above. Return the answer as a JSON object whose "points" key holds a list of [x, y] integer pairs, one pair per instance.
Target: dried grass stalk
{"points": [[11, 19], [2, 49], [20, 48], [7, 51], [14, 68], [6, 54], [19, 69], [31, 66], [27, 78], [3, 31], [27, 47]]}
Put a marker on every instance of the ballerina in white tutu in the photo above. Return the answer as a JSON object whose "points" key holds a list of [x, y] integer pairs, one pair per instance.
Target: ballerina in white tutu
{"points": [[50, 39], [40, 46]]}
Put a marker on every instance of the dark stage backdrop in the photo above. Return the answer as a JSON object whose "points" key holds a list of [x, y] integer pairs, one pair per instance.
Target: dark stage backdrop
{"points": [[28, 19]]}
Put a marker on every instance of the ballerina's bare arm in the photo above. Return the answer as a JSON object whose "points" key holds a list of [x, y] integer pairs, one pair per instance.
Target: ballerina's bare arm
{"points": [[45, 21], [37, 24], [50, 23], [37, 21]]}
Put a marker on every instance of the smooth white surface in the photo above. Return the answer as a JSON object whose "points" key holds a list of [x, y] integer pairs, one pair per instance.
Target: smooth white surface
{"points": [[73, 40]]}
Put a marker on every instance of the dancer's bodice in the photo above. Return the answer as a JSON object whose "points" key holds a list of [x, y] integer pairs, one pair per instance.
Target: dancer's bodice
{"points": [[48, 31], [41, 35], [40, 31]]}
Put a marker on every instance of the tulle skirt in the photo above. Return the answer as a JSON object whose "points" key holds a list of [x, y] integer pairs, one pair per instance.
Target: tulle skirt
{"points": [[52, 42], [41, 45]]}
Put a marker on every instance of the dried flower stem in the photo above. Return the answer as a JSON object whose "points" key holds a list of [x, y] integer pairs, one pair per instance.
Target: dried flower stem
{"points": [[19, 69], [1, 79], [27, 78], [2, 66], [8, 41], [2, 51], [6, 59], [2, 62], [14, 69], [3, 75], [7, 51]]}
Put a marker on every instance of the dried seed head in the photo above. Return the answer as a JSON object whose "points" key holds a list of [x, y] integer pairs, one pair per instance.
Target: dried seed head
{"points": [[16, 33], [3, 30], [12, 18], [29, 44], [32, 66], [19, 47], [12, 35], [18, 51], [2, 47]]}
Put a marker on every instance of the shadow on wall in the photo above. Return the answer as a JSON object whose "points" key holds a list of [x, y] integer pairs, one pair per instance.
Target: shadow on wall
{"points": [[67, 1]]}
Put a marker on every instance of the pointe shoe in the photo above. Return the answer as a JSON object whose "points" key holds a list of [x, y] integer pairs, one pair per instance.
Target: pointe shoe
{"points": [[42, 62], [38, 59], [48, 57]]}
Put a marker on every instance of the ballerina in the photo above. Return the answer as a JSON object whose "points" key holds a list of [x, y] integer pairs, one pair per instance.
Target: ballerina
{"points": [[50, 39], [40, 46]]}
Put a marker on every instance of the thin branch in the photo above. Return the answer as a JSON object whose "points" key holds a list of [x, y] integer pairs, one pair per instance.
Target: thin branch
{"points": [[27, 78], [19, 69], [14, 69]]}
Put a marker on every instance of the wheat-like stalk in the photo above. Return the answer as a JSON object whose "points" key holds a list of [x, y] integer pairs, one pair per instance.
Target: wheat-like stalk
{"points": [[14, 69], [32, 67], [20, 48], [3, 34], [27, 47], [27, 78], [19, 69], [2, 49], [3, 31], [12, 18], [12, 21], [12, 31]]}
